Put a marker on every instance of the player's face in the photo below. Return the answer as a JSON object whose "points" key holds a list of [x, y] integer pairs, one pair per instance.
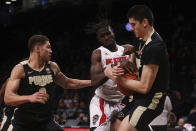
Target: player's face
{"points": [[46, 51], [106, 36], [137, 27]]}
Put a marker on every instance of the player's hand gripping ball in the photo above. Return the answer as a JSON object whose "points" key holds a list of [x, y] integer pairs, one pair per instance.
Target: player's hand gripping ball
{"points": [[130, 73], [43, 90], [126, 91]]}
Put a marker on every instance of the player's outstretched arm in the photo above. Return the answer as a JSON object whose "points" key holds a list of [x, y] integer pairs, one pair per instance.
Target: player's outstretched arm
{"points": [[11, 96], [68, 83]]}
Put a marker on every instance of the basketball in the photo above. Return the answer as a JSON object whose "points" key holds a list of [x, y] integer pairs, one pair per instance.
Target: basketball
{"points": [[125, 91]]}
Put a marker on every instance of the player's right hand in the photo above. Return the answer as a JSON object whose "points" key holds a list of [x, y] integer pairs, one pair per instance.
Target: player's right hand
{"points": [[118, 70], [39, 97]]}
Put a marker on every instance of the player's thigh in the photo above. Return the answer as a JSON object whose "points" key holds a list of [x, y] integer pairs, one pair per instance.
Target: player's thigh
{"points": [[95, 112], [126, 126], [115, 125]]}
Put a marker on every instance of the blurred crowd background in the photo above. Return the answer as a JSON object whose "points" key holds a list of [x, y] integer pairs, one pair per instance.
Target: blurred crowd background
{"points": [[65, 23]]}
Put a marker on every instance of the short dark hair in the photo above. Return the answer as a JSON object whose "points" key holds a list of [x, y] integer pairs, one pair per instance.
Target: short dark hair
{"points": [[36, 40], [94, 27], [140, 12]]}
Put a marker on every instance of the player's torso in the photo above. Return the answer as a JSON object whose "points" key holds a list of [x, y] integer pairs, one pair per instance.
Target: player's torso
{"points": [[108, 91], [159, 84], [34, 81]]}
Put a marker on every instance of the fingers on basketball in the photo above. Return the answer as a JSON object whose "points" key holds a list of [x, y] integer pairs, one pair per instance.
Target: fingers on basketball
{"points": [[126, 91]]}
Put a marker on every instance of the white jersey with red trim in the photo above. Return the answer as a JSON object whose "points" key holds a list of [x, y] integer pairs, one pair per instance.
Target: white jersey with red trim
{"points": [[108, 91]]}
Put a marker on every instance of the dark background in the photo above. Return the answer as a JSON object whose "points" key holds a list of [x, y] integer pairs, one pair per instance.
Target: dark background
{"points": [[64, 22]]}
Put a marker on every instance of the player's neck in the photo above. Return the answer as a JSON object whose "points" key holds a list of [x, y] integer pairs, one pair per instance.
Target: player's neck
{"points": [[111, 47], [35, 61], [147, 34]]}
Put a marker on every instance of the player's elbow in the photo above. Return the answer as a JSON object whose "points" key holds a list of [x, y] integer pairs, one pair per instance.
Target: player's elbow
{"points": [[145, 90], [94, 84], [7, 100]]}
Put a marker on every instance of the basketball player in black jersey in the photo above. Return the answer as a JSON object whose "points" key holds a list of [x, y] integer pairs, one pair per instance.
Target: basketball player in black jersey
{"points": [[9, 110], [152, 61], [30, 86]]}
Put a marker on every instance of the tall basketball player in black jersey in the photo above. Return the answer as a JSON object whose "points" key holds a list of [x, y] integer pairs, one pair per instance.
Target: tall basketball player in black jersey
{"points": [[153, 64], [30, 85]]}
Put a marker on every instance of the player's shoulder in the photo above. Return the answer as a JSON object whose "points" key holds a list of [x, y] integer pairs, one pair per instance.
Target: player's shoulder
{"points": [[102, 49], [156, 41], [18, 71], [156, 37], [19, 67], [52, 64], [154, 48], [96, 52]]}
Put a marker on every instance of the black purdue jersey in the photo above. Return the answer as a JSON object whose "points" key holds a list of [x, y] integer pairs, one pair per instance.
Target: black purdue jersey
{"points": [[154, 51], [33, 81]]}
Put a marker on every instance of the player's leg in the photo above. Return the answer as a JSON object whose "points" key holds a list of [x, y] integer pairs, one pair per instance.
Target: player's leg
{"points": [[101, 113], [126, 126], [144, 111], [118, 118], [128, 101], [132, 124], [115, 124], [98, 118]]}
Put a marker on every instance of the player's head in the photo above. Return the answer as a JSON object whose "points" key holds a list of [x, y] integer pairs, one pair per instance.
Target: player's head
{"points": [[104, 32], [140, 17], [40, 44]]}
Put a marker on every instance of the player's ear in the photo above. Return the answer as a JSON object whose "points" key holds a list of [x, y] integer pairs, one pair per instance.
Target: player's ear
{"points": [[36, 48], [145, 22]]}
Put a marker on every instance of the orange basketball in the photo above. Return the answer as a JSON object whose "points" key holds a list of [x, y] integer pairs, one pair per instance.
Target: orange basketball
{"points": [[125, 91]]}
